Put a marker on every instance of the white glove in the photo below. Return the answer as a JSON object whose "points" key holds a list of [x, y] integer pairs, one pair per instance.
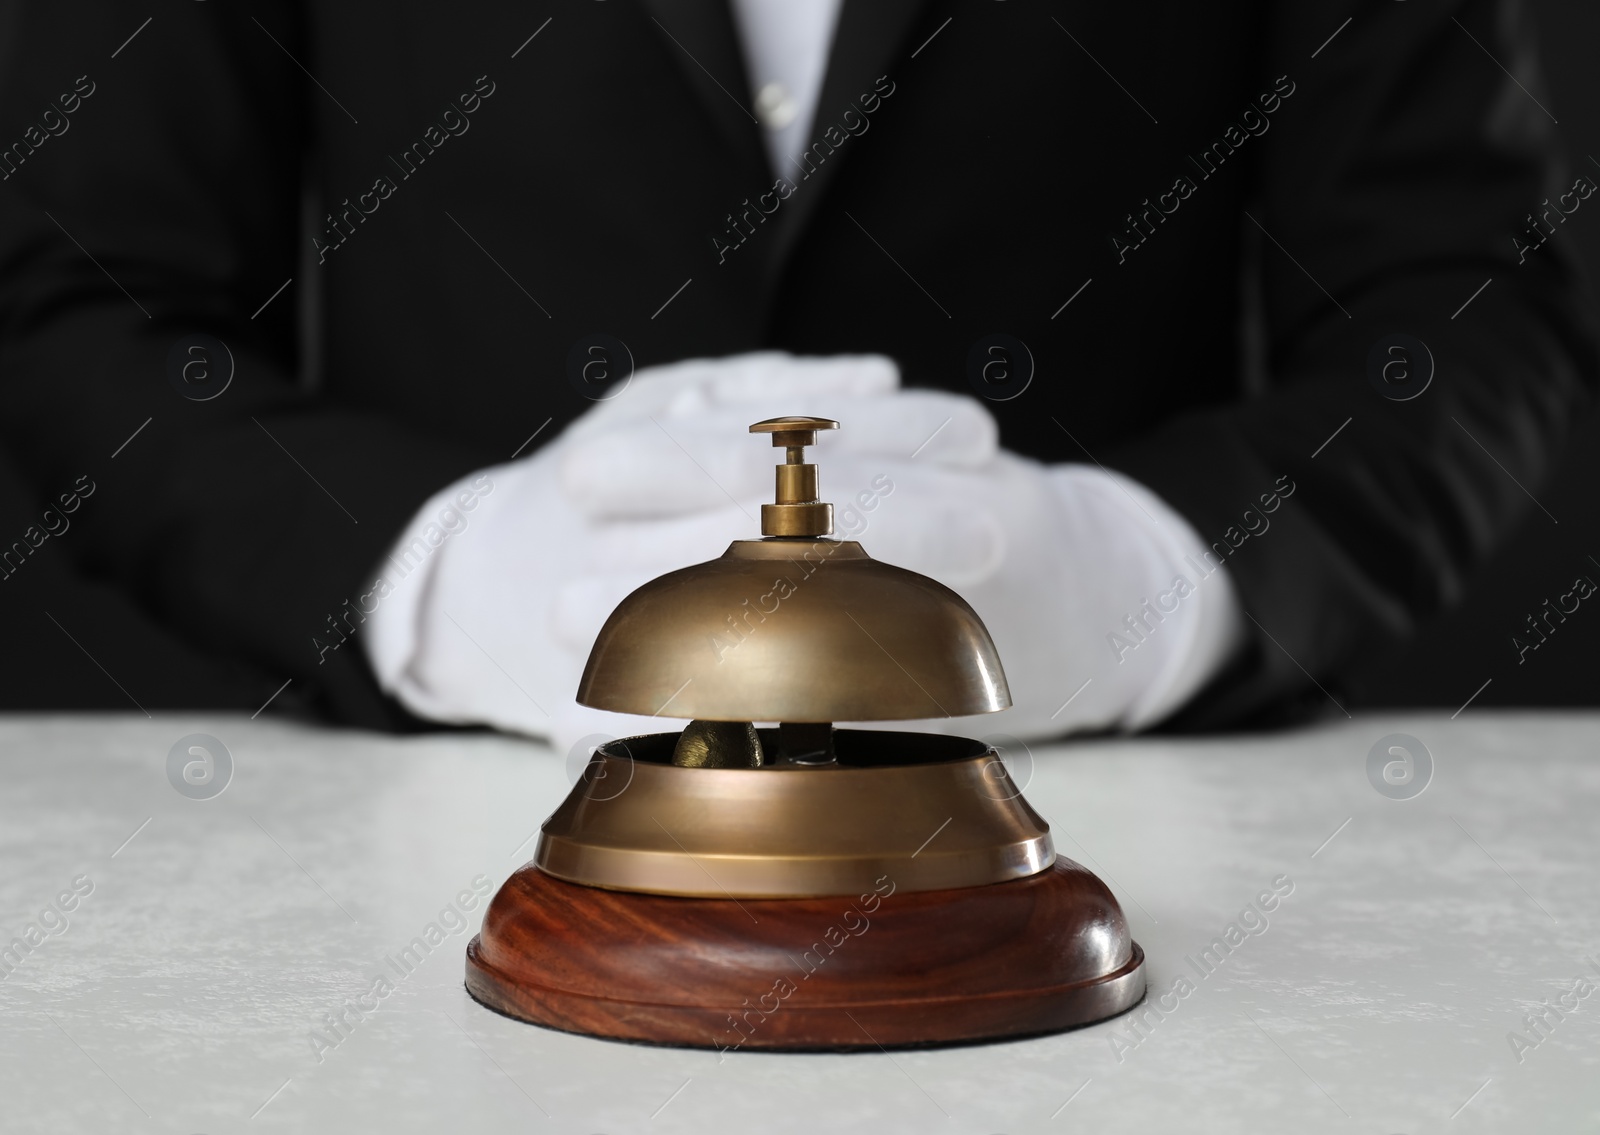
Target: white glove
{"points": [[1058, 561], [493, 596]]}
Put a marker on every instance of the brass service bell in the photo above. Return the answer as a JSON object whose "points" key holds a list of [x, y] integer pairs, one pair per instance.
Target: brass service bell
{"points": [[687, 873]]}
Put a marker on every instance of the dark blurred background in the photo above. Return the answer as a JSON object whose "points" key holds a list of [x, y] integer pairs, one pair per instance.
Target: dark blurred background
{"points": [[1472, 644], [52, 621]]}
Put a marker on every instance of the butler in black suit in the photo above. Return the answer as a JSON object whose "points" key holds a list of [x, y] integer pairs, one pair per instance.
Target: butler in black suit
{"points": [[1224, 326]]}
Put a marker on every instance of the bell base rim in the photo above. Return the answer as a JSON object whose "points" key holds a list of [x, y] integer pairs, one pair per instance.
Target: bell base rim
{"points": [[634, 821], [674, 971]]}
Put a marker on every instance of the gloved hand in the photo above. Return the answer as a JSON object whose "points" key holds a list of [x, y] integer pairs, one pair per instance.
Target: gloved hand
{"points": [[1060, 562], [1055, 559], [490, 611]]}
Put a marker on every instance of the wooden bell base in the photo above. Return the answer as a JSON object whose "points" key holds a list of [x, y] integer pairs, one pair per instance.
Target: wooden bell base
{"points": [[1037, 955]]}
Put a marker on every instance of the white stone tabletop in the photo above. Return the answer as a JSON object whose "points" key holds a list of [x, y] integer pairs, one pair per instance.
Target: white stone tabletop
{"points": [[1390, 960]]}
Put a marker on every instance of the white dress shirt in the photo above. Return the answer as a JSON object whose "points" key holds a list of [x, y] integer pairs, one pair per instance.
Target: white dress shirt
{"points": [[786, 45]]}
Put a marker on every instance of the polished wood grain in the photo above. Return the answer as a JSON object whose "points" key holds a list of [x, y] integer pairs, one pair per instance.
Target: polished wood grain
{"points": [[888, 969]]}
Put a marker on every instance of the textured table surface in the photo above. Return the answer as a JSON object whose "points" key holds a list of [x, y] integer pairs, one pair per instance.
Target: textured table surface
{"points": [[187, 988]]}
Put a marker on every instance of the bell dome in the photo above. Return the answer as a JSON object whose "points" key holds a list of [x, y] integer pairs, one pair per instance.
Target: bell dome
{"points": [[794, 629]]}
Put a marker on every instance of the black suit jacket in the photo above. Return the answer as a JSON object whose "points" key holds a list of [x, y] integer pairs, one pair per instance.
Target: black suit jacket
{"points": [[1238, 200]]}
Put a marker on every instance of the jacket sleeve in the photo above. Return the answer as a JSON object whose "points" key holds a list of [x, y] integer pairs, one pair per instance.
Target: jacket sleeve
{"points": [[151, 191], [1387, 198]]}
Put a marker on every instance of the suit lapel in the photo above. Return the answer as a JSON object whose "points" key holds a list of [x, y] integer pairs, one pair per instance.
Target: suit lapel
{"points": [[870, 37], [700, 37]]}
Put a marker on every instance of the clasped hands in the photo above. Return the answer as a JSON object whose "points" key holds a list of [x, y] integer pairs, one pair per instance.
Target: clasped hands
{"points": [[496, 627]]}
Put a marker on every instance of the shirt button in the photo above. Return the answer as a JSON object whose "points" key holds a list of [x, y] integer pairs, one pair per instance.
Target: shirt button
{"points": [[775, 107]]}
